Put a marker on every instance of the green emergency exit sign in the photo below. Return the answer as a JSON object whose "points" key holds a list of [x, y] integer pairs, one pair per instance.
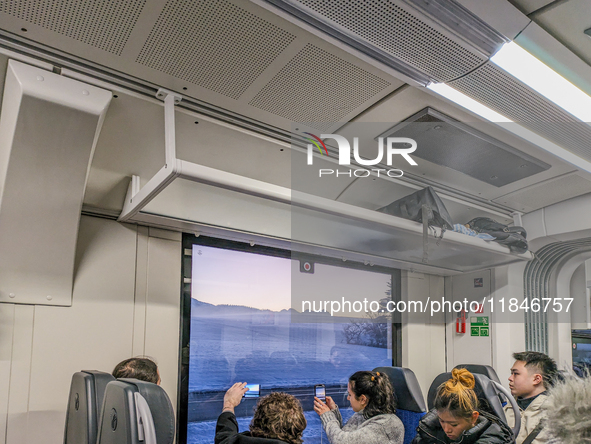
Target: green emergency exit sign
{"points": [[479, 326]]}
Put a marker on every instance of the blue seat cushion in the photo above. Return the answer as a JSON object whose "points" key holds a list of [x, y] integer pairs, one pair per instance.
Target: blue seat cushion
{"points": [[410, 421]]}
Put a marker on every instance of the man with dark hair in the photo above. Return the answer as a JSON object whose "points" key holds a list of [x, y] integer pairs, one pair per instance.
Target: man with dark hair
{"points": [[143, 369], [278, 418], [531, 376]]}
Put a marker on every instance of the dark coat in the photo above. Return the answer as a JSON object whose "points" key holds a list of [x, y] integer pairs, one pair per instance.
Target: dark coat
{"points": [[488, 430], [226, 432]]}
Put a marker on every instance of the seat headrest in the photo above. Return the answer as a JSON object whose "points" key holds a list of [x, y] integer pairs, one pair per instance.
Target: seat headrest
{"points": [[87, 391], [406, 388], [118, 423], [485, 392], [485, 370], [432, 393]]}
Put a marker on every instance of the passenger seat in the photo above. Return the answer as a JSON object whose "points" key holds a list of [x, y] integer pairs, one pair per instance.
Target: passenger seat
{"points": [[87, 391], [136, 412], [485, 370], [410, 404]]}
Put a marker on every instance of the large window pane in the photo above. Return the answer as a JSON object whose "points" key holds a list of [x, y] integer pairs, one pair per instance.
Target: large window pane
{"points": [[241, 329]]}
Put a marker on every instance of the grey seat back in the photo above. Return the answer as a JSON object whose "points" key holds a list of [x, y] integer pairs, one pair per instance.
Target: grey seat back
{"points": [[410, 404], [406, 388], [485, 370], [87, 391], [136, 412]]}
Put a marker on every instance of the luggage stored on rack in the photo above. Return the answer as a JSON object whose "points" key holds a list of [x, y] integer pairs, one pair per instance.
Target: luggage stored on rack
{"points": [[512, 237], [410, 207], [423, 206]]}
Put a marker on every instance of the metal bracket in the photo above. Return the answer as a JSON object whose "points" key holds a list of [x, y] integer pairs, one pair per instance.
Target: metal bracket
{"points": [[163, 93], [138, 197], [517, 218]]}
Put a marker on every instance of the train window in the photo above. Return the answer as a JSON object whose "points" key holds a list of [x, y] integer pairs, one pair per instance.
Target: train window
{"points": [[242, 322], [581, 351]]}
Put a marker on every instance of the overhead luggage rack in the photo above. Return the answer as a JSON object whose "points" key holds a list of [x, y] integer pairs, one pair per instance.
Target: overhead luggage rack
{"points": [[317, 223]]}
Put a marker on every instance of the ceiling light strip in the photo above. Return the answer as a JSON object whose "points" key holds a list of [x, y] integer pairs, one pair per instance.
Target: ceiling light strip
{"points": [[525, 67]]}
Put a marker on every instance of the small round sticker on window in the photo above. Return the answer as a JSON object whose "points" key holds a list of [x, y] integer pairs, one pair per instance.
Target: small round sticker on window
{"points": [[306, 267]]}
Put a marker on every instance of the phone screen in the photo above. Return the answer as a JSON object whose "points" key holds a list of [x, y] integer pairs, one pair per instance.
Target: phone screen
{"points": [[254, 391], [320, 391]]}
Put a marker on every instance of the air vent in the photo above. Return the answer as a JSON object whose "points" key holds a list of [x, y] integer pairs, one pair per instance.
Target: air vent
{"points": [[390, 32], [546, 193], [447, 142], [493, 87], [318, 87], [104, 24], [214, 44]]}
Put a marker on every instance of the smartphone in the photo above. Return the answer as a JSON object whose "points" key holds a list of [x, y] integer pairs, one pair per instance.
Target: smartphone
{"points": [[254, 390], [320, 391]]}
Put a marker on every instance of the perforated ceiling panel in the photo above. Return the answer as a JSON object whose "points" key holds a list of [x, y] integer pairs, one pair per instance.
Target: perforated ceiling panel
{"points": [[493, 87], [400, 34], [104, 24], [328, 88], [447, 142], [213, 44], [547, 193]]}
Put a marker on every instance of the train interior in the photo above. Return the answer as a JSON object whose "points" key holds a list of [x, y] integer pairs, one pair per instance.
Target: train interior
{"points": [[164, 192]]}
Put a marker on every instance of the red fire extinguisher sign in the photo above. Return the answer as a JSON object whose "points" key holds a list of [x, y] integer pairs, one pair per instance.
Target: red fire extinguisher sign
{"points": [[461, 322]]}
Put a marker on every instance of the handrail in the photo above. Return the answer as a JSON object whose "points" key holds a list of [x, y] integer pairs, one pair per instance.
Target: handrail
{"points": [[514, 405]]}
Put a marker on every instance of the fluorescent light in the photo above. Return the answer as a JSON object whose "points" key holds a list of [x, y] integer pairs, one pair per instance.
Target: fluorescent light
{"points": [[467, 102], [538, 76], [520, 131]]}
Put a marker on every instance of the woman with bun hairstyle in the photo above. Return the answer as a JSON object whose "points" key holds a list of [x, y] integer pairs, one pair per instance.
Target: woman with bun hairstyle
{"points": [[455, 417], [374, 422]]}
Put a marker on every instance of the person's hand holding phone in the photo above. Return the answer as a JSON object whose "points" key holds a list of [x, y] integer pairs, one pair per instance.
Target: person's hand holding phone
{"points": [[330, 403], [233, 396], [320, 407]]}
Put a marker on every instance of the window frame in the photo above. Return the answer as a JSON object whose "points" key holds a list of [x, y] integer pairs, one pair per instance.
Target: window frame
{"points": [[189, 240]]}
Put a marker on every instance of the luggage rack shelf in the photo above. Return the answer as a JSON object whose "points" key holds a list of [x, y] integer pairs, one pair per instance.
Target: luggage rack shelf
{"points": [[318, 225]]}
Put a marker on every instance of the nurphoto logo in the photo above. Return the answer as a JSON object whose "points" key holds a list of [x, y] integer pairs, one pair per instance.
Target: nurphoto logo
{"points": [[344, 148]]}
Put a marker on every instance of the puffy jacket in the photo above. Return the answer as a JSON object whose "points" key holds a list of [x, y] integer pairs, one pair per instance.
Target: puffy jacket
{"points": [[488, 430], [530, 417]]}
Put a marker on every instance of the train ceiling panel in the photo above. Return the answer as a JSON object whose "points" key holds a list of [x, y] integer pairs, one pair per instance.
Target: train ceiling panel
{"points": [[547, 193], [447, 142], [424, 40], [318, 96], [215, 45], [102, 24], [411, 101], [233, 55], [529, 6], [567, 22]]}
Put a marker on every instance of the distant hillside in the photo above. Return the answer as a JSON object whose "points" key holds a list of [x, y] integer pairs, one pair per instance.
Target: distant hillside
{"points": [[204, 309]]}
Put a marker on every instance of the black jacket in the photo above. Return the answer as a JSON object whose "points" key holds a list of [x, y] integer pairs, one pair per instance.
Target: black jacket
{"points": [[488, 430], [226, 432]]}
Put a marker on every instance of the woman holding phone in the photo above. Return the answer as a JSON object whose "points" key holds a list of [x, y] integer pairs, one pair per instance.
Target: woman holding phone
{"points": [[374, 422]]}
